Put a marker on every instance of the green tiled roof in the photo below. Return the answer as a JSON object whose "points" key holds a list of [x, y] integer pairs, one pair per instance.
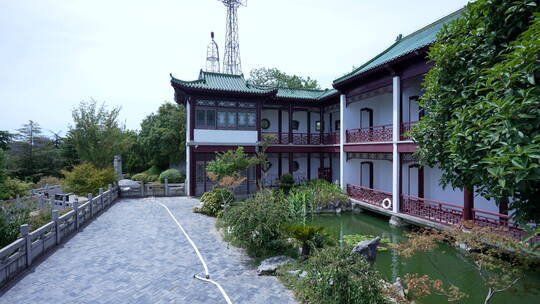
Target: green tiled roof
{"points": [[221, 82], [404, 46], [218, 82]]}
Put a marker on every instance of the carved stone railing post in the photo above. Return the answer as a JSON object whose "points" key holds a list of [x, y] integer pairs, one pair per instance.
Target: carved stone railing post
{"points": [[25, 233], [166, 187], [76, 210], [101, 198], [54, 217], [142, 189], [110, 196], [91, 204]]}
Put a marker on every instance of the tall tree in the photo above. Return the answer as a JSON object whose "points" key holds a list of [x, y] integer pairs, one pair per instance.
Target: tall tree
{"points": [[483, 103], [272, 77], [5, 137], [97, 134], [163, 136]]}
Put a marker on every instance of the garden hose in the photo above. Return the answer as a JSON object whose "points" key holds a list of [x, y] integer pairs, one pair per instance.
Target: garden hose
{"points": [[206, 277]]}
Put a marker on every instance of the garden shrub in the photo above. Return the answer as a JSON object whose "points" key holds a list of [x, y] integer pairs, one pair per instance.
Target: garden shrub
{"points": [[286, 182], [334, 276], [258, 223], [11, 220], [315, 195], [308, 236], [49, 180], [213, 201], [11, 187], [143, 177], [85, 178], [172, 175]]}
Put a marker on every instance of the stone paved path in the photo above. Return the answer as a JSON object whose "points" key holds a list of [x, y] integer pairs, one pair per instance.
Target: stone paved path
{"points": [[134, 253]]}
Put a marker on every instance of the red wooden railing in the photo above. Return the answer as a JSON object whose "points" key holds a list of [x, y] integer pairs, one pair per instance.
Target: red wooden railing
{"points": [[304, 138], [444, 213], [368, 195], [331, 138], [405, 128], [370, 134], [497, 221], [278, 138]]}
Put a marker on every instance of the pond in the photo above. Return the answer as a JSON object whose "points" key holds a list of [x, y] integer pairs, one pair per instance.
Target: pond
{"points": [[445, 263]]}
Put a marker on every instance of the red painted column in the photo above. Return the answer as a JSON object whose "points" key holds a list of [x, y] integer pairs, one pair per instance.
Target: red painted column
{"points": [[468, 204], [308, 127], [503, 209], [309, 166], [279, 168], [258, 121], [321, 131], [321, 163], [280, 127], [331, 166], [290, 162], [192, 173], [421, 182], [290, 125]]}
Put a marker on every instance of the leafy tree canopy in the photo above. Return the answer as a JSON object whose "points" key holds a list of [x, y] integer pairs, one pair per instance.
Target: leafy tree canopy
{"points": [[5, 137], [163, 136], [272, 77], [97, 134], [483, 103]]}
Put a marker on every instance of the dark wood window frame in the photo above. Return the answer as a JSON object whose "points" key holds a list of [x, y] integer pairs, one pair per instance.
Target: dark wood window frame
{"points": [[318, 125], [235, 110], [370, 112], [370, 165]]}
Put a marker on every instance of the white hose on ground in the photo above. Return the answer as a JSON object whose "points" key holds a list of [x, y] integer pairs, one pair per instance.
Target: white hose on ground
{"points": [[207, 274]]}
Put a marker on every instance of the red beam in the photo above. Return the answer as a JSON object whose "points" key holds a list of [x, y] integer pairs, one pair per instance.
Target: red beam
{"points": [[407, 148], [368, 148], [206, 149]]}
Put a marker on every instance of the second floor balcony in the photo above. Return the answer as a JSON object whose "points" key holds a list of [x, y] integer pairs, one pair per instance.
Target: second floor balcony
{"points": [[284, 138], [380, 133]]}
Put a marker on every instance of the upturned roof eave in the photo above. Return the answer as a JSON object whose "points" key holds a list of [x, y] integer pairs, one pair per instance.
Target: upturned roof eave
{"points": [[230, 93], [340, 85]]}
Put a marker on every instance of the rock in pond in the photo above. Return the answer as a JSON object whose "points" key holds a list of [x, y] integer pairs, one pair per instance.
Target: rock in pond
{"points": [[270, 265], [368, 249]]}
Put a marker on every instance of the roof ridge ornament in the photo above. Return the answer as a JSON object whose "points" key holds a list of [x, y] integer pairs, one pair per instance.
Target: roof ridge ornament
{"points": [[399, 37]]}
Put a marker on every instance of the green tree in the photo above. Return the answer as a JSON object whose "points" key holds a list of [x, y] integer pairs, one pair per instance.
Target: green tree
{"points": [[163, 136], [483, 103], [5, 137], [97, 134], [33, 155], [86, 178], [273, 77]]}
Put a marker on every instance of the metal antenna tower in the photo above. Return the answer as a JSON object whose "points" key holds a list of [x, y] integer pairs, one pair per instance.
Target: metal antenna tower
{"points": [[231, 61], [212, 56]]}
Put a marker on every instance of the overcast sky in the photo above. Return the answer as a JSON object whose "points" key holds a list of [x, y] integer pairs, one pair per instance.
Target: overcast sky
{"points": [[56, 53]]}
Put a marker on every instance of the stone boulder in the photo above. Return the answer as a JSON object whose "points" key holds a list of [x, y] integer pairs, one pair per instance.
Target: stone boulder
{"points": [[127, 184], [368, 249], [270, 265]]}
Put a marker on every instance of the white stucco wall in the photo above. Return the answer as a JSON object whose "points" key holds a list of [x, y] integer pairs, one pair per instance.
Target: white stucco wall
{"points": [[225, 136], [382, 173], [381, 106], [412, 87], [272, 116]]}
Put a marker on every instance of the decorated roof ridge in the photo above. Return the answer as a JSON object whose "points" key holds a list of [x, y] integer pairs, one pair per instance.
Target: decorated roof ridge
{"points": [[372, 63], [229, 83], [287, 88]]}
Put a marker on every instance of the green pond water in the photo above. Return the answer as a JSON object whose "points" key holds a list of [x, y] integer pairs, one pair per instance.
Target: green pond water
{"points": [[445, 263]]}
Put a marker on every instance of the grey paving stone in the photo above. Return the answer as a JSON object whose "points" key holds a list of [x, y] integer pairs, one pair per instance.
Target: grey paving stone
{"points": [[134, 253]]}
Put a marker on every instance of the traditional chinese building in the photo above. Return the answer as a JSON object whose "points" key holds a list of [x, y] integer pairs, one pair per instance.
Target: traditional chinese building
{"points": [[353, 134]]}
